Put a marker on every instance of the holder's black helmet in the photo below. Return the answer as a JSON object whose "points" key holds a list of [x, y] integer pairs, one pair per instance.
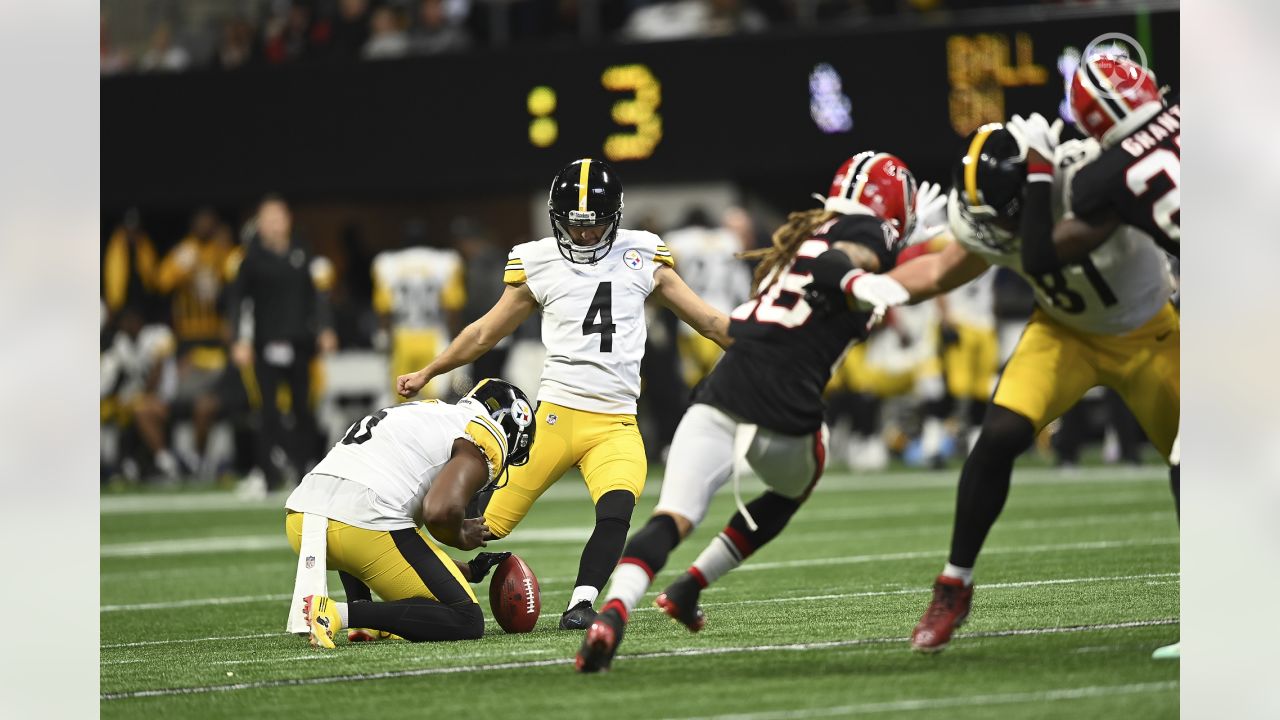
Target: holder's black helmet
{"points": [[586, 193], [509, 408], [987, 183]]}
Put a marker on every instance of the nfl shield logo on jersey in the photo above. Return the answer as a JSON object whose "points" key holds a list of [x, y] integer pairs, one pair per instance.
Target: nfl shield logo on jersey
{"points": [[311, 562], [632, 259]]}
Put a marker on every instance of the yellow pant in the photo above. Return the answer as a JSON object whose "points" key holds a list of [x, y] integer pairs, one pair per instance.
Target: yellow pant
{"points": [[396, 564], [1052, 367], [607, 448], [970, 365], [411, 350], [697, 356], [856, 376]]}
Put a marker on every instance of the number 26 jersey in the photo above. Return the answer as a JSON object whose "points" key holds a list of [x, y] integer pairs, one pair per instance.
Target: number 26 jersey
{"points": [[593, 318], [1120, 286]]}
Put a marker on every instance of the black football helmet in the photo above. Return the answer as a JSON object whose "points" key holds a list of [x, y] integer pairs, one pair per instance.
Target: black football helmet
{"points": [[586, 193], [508, 406], [988, 182]]}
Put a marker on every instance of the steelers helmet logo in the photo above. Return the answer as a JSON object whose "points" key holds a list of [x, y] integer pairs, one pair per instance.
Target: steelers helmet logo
{"points": [[632, 259], [522, 413]]}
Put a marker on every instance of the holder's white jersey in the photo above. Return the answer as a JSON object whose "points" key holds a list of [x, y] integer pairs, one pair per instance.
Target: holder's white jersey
{"points": [[709, 267], [376, 476], [1122, 284], [417, 285], [593, 321]]}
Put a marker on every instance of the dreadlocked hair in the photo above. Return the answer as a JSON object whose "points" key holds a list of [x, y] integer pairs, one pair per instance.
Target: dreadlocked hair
{"points": [[800, 226]]}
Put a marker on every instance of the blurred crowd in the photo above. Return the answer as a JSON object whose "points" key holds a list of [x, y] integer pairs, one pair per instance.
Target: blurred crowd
{"points": [[239, 354], [172, 36]]}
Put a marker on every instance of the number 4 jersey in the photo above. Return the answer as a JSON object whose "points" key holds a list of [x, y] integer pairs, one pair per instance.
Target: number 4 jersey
{"points": [[1122, 284], [593, 318], [377, 475], [783, 352]]}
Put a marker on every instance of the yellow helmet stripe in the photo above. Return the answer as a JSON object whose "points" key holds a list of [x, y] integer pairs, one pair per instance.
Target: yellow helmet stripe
{"points": [[971, 164], [582, 184]]}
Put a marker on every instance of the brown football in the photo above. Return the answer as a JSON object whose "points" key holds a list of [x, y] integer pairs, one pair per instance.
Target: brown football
{"points": [[514, 596]]}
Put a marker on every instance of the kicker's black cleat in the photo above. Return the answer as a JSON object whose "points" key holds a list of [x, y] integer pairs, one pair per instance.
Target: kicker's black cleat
{"points": [[680, 602], [602, 640], [578, 617]]}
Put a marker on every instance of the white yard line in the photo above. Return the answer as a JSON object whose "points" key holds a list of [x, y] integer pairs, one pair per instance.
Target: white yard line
{"points": [[571, 491], [1080, 693], [688, 652]]}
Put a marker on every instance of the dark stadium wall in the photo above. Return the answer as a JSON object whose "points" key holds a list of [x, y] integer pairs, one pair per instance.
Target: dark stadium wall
{"points": [[449, 130]]}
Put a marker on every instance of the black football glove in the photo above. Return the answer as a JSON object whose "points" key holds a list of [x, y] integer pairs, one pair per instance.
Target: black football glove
{"points": [[948, 334], [823, 300], [481, 564]]}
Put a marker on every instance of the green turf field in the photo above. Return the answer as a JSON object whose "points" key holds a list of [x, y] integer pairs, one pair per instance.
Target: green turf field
{"points": [[1078, 584]]}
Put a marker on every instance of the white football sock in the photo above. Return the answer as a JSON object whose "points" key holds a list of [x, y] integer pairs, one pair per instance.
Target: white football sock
{"points": [[717, 559], [342, 613], [965, 574], [583, 592], [628, 584]]}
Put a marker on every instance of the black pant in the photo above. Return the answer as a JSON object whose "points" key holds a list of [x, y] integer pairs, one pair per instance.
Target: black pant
{"points": [[295, 436]]}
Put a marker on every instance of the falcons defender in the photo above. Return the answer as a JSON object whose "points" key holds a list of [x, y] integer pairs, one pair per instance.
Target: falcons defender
{"points": [[764, 399]]}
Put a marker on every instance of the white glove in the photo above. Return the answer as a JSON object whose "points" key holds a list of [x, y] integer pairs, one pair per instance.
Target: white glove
{"points": [[931, 213], [1035, 133], [875, 292]]}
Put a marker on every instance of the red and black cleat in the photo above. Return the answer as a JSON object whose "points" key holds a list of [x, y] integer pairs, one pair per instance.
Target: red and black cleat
{"points": [[602, 640], [947, 611], [680, 602]]}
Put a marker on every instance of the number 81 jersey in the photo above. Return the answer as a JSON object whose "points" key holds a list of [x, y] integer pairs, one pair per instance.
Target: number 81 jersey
{"points": [[593, 318], [1121, 285]]}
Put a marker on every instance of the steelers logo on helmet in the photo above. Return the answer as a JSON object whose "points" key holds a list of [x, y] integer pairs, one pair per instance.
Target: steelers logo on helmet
{"points": [[585, 207], [521, 413]]}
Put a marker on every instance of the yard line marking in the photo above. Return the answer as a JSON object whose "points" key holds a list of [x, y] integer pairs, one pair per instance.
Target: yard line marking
{"points": [[322, 654], [1092, 691], [274, 541], [782, 564], [754, 601], [687, 652], [832, 483]]}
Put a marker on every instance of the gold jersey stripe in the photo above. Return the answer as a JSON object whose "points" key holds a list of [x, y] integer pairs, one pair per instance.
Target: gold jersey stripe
{"points": [[665, 260], [971, 162], [582, 184], [514, 277]]}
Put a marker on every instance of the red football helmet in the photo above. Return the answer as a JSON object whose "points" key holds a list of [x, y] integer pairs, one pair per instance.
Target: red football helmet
{"points": [[879, 184], [1107, 91]]}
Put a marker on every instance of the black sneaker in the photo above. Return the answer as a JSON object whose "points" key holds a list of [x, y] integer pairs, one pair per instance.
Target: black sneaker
{"points": [[602, 640], [578, 617], [680, 602]]}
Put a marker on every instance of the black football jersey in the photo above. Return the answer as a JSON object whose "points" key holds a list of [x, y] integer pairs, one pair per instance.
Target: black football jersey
{"points": [[784, 352], [1137, 179]]}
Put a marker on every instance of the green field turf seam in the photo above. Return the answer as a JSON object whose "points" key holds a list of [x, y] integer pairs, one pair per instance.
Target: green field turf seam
{"points": [[686, 652], [750, 567], [1080, 693]]}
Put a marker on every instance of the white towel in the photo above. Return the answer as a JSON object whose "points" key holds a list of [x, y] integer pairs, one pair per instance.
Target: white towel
{"points": [[743, 436], [312, 577]]}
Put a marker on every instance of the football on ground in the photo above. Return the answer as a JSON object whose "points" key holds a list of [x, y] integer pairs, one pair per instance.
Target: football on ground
{"points": [[514, 596]]}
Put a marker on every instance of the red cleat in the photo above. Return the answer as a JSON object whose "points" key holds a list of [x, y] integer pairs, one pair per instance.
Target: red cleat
{"points": [[947, 611], [680, 602], [602, 640]]}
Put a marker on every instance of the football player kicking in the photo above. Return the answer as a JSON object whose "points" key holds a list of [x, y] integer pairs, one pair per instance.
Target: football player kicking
{"points": [[764, 399], [1106, 320], [591, 281], [403, 466], [1134, 181]]}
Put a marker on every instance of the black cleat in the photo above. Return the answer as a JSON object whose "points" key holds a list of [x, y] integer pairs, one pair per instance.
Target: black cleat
{"points": [[578, 617], [680, 602], [602, 640]]}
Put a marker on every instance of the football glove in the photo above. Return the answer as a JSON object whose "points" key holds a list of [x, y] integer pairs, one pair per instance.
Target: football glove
{"points": [[931, 213], [481, 564], [1035, 133]]}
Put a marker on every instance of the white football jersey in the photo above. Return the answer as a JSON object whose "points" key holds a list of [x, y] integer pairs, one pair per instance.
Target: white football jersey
{"points": [[376, 476], [417, 285], [593, 322], [709, 267], [1122, 284]]}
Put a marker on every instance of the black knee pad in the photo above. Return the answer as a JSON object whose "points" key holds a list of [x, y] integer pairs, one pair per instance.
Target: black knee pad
{"points": [[616, 506], [1005, 433]]}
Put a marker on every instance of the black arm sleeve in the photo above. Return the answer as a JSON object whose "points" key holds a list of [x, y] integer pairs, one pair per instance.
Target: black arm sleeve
{"points": [[1038, 253], [830, 268]]}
